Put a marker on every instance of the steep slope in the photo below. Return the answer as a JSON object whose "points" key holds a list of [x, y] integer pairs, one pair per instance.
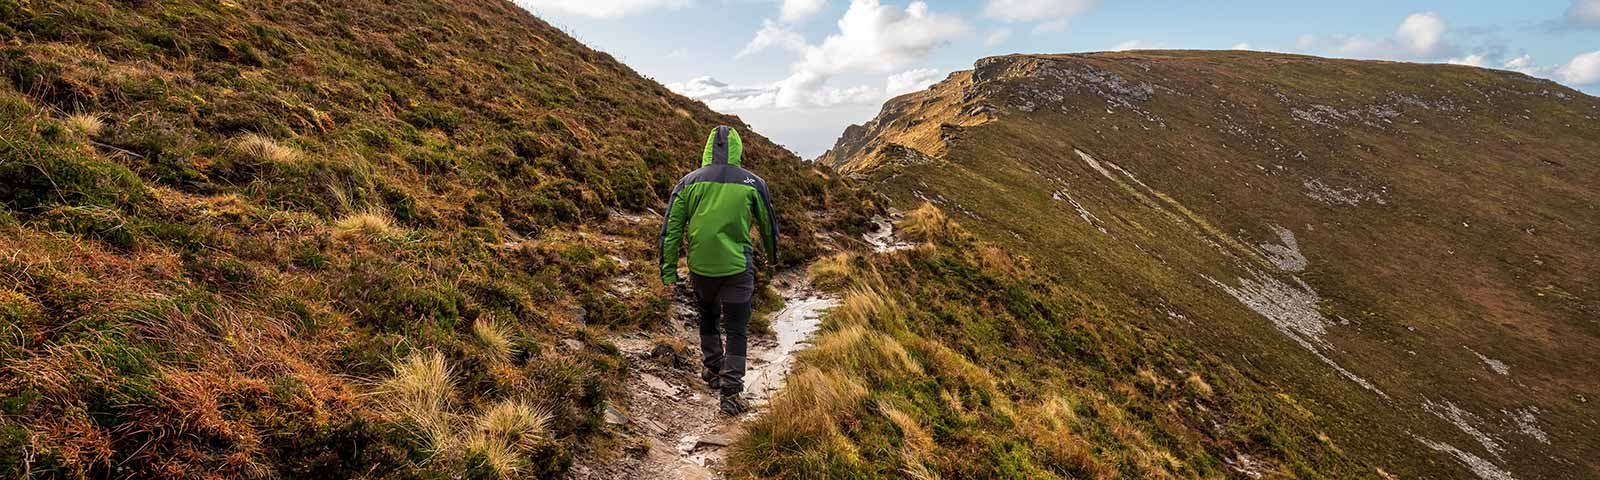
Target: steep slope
{"points": [[333, 239], [1404, 252]]}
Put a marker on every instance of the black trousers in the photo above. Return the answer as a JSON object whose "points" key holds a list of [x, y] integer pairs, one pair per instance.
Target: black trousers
{"points": [[724, 300]]}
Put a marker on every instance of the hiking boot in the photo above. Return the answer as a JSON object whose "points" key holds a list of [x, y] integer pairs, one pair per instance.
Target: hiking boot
{"points": [[712, 380], [733, 405]]}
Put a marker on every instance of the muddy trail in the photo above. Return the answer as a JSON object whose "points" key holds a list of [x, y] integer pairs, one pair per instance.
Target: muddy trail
{"points": [[673, 427], [670, 422]]}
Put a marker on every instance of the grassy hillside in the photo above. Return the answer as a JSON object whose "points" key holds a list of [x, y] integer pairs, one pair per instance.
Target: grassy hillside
{"points": [[1404, 250], [331, 239], [957, 359]]}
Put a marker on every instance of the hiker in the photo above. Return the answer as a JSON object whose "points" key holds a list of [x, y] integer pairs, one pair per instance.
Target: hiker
{"points": [[714, 206]]}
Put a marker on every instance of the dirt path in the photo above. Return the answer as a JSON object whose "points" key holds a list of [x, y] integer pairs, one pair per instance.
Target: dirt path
{"points": [[674, 429]]}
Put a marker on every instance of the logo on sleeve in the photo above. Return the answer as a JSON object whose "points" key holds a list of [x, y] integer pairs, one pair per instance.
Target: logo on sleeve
{"points": [[750, 181]]}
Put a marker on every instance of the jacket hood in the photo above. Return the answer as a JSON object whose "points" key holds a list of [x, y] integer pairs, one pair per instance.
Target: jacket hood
{"points": [[722, 146]]}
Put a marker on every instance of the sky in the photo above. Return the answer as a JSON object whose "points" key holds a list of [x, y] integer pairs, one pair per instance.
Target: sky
{"points": [[800, 71]]}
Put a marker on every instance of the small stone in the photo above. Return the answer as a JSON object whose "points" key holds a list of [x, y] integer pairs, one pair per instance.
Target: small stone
{"points": [[721, 438], [665, 355], [615, 416], [579, 315], [657, 384], [572, 344], [715, 440]]}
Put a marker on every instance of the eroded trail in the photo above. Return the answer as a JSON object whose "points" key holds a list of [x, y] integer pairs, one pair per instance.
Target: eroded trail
{"points": [[673, 427]]}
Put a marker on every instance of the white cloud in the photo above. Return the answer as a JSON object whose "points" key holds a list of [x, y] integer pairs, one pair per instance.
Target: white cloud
{"points": [[1240, 46], [1420, 36], [724, 97], [909, 81], [599, 8], [1422, 33], [1584, 13], [1035, 10], [1583, 69], [807, 89], [796, 10], [1132, 45], [872, 39], [1475, 60], [721, 96], [875, 37], [773, 34], [997, 37], [1521, 64], [1052, 15]]}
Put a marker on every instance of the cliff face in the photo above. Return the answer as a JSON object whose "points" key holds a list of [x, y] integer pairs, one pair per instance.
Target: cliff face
{"points": [[1406, 250]]}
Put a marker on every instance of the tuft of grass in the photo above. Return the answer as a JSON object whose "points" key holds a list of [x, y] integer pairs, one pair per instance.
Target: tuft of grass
{"points": [[874, 356], [917, 441], [927, 223], [801, 430], [517, 422], [87, 124], [371, 224], [502, 438], [265, 149], [865, 306], [831, 272], [420, 392], [1198, 385], [495, 337]]}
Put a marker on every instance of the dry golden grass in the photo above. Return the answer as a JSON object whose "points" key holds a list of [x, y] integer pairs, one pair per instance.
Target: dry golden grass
{"points": [[917, 443], [1198, 385], [950, 364], [495, 338], [264, 149], [811, 401], [927, 224], [420, 392], [915, 436], [1152, 380], [371, 224], [495, 454], [875, 356], [1051, 427], [868, 307], [87, 124], [519, 422], [831, 272], [801, 430], [504, 434]]}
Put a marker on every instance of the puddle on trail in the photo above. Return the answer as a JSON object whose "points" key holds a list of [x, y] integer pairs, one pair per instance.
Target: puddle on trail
{"points": [[793, 326], [883, 239]]}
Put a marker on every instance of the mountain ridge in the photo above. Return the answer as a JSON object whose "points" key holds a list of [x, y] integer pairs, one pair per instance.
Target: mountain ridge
{"points": [[1375, 213]]}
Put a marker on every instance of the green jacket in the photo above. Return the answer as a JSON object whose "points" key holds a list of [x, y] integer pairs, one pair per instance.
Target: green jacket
{"points": [[711, 208]]}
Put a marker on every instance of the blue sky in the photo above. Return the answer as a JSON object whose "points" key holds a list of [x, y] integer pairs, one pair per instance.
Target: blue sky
{"points": [[799, 71]]}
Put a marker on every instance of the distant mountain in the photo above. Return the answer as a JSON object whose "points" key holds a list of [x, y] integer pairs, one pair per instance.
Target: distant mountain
{"points": [[1404, 252]]}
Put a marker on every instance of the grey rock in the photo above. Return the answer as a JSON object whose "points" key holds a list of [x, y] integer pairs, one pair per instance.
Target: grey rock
{"points": [[615, 416]]}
